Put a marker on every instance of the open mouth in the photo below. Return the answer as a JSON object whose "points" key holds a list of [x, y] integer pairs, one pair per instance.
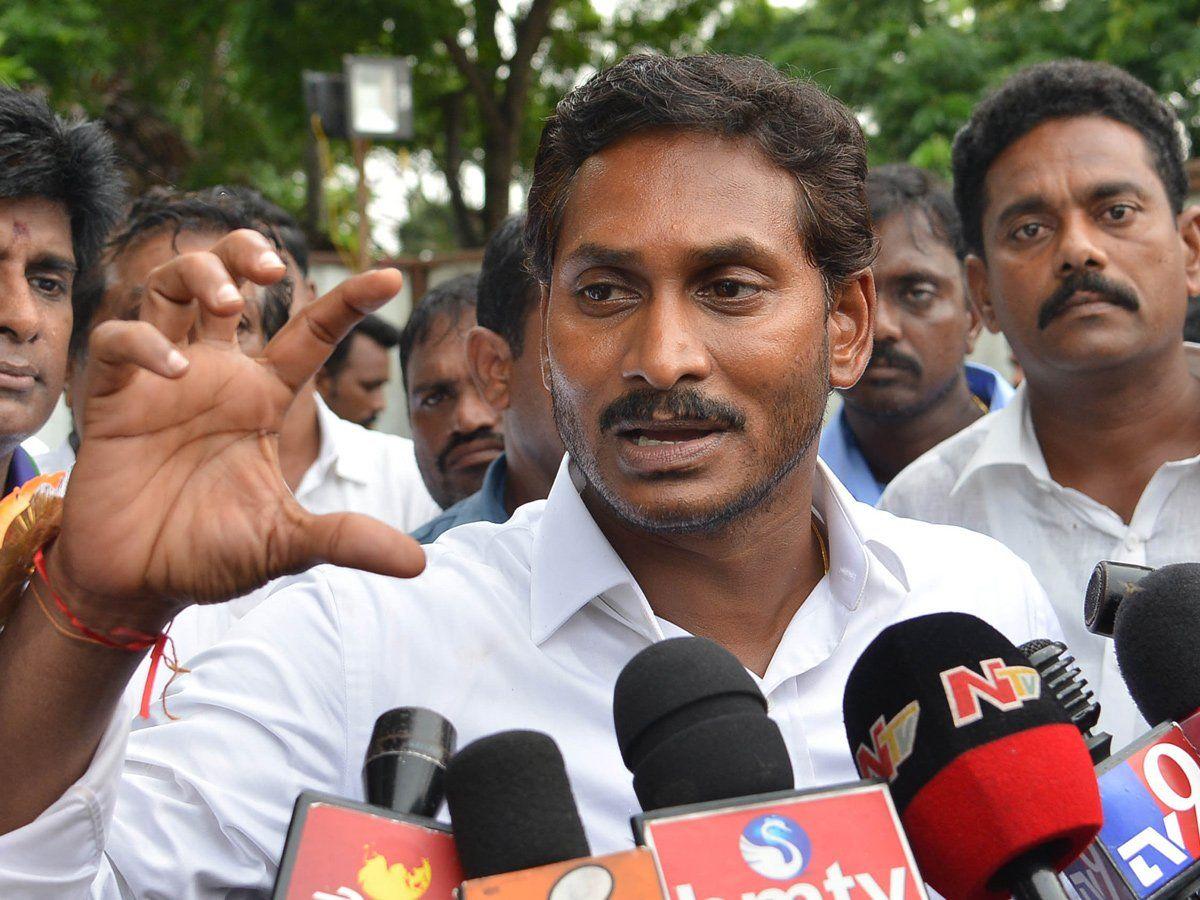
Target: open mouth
{"points": [[649, 447]]}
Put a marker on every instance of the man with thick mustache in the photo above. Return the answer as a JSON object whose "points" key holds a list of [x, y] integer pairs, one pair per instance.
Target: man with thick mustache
{"points": [[693, 326], [918, 389], [1071, 186]]}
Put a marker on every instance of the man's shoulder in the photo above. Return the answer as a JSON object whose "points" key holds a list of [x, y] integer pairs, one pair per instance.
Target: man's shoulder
{"points": [[933, 475]]}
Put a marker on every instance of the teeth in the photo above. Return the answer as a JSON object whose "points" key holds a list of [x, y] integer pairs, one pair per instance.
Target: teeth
{"points": [[644, 441]]}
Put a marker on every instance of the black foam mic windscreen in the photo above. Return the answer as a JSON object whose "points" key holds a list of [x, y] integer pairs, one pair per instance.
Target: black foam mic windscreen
{"points": [[1157, 638], [511, 805], [693, 727], [406, 760]]}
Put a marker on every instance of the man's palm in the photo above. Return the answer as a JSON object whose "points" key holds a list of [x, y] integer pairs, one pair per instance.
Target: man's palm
{"points": [[177, 496]]}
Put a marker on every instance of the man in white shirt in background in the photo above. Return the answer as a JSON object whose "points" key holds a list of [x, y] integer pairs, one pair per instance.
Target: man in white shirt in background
{"points": [[1071, 188], [694, 325]]}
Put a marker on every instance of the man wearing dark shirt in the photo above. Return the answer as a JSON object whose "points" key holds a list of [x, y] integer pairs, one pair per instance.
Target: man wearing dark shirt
{"points": [[504, 358], [59, 194]]}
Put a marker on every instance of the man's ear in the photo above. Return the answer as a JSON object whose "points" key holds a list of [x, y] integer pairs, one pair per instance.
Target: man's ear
{"points": [[323, 382], [1189, 231], [850, 328], [974, 323], [981, 296], [489, 360], [544, 343]]}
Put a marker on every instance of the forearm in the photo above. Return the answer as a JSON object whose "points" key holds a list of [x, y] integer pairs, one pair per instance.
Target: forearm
{"points": [[57, 697]]}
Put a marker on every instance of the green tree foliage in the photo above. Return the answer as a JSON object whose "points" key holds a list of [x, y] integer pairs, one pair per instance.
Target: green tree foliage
{"points": [[913, 69]]}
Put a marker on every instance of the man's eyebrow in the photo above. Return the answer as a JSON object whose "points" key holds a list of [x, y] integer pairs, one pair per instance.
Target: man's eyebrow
{"points": [[424, 387], [54, 262], [1108, 189], [733, 251], [591, 254], [1020, 207]]}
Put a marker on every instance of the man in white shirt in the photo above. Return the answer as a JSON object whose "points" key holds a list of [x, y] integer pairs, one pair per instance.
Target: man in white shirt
{"points": [[693, 327], [1071, 188]]}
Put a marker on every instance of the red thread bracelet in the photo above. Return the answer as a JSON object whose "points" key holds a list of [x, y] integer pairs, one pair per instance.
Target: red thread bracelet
{"points": [[136, 641]]}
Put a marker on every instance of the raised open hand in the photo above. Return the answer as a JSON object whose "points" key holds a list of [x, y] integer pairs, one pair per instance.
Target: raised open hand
{"points": [[177, 496]]}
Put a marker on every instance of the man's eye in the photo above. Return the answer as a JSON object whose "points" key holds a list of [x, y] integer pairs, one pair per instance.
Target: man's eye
{"points": [[52, 287], [728, 289], [1028, 231], [1119, 212], [599, 293], [919, 296], [429, 401]]}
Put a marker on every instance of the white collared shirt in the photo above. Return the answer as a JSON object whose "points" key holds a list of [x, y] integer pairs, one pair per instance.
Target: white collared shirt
{"points": [[521, 625], [992, 478]]}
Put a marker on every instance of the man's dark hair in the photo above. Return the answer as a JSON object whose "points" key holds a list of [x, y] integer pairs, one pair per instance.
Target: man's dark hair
{"points": [[215, 209], [72, 163], [444, 304], [793, 122], [507, 290], [1059, 90], [902, 188], [379, 330], [1191, 325]]}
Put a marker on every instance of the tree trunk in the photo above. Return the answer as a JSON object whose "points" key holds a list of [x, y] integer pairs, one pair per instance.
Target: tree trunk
{"points": [[465, 218], [499, 157]]}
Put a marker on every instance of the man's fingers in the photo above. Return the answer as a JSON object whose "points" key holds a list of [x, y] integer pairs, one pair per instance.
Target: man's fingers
{"points": [[211, 278], [355, 541], [118, 349], [307, 340]]}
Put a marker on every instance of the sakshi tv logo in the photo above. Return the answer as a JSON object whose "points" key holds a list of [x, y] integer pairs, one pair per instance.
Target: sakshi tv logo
{"points": [[1003, 686], [377, 880], [775, 847]]}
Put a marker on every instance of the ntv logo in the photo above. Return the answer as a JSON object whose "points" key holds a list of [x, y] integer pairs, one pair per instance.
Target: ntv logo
{"points": [[1002, 686], [891, 744]]}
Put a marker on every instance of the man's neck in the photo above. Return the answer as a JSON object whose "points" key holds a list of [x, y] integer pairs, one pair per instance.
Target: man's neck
{"points": [[1106, 434], [740, 586], [890, 444], [528, 479], [300, 437]]}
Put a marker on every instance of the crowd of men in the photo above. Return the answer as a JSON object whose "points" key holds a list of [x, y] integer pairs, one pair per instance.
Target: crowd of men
{"points": [[619, 435]]}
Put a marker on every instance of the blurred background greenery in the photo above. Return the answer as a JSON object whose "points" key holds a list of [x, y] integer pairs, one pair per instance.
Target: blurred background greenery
{"points": [[210, 90]]}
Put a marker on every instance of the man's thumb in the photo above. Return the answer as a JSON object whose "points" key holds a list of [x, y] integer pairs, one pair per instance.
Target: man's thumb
{"points": [[356, 541]]}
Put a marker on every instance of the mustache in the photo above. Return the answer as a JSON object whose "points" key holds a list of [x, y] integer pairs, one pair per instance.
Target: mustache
{"points": [[457, 440], [679, 403], [1087, 282], [887, 354]]}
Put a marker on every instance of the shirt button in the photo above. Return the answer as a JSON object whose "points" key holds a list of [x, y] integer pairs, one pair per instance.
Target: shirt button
{"points": [[1132, 542]]}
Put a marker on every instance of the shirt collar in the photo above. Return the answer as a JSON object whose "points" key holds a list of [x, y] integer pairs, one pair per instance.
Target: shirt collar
{"points": [[341, 446], [988, 385], [1011, 441], [20, 470], [574, 564]]}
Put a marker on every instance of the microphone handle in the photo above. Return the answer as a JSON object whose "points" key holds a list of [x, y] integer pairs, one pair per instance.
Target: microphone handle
{"points": [[1039, 882]]}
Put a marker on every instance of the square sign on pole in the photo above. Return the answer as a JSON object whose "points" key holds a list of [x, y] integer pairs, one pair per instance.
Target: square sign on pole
{"points": [[379, 98]]}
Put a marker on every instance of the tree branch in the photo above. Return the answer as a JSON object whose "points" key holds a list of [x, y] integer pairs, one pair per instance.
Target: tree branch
{"points": [[530, 31], [482, 91]]}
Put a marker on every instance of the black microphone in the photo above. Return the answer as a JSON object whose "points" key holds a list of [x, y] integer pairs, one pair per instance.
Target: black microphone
{"points": [[389, 846], [714, 777], [693, 727], [518, 830], [1111, 582], [511, 804], [1151, 788], [994, 786], [1066, 684], [406, 761]]}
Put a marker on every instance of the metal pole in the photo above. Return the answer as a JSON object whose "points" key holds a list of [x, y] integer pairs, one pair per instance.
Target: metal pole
{"points": [[361, 146]]}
